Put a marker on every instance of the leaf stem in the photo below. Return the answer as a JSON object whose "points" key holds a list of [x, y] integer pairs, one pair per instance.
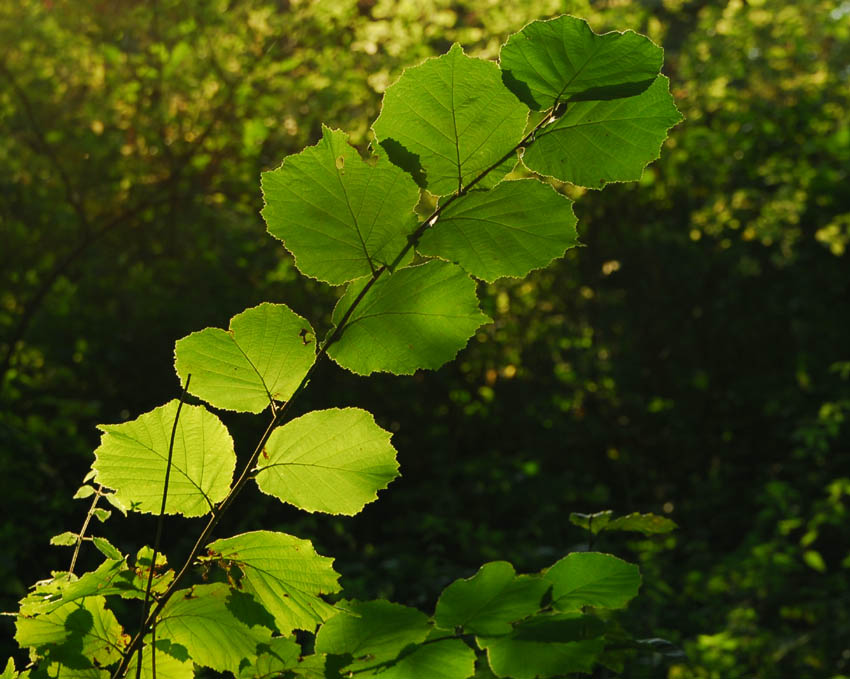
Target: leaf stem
{"points": [[279, 413]]}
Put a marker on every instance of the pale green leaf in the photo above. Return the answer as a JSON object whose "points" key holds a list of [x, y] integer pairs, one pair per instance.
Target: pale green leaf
{"points": [[648, 524], [448, 120], [285, 574], [215, 625], [262, 358], [331, 461], [418, 317], [9, 672], [135, 581], [114, 501], [64, 588], [371, 632], [546, 646], [450, 659], [597, 142], [76, 633], [172, 662], [487, 603], [83, 492], [592, 579], [101, 514], [562, 59], [132, 459], [340, 216], [507, 231], [66, 539], [106, 548], [274, 659]]}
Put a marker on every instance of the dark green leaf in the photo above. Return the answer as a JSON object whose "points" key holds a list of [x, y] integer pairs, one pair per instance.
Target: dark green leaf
{"points": [[592, 579], [487, 603], [597, 142], [371, 632], [507, 231], [562, 59]]}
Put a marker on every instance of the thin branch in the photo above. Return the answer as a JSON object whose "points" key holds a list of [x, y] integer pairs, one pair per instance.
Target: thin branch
{"points": [[90, 514], [281, 412], [159, 522]]}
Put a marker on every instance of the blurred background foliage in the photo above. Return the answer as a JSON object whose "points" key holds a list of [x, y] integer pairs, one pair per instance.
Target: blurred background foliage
{"points": [[691, 359]]}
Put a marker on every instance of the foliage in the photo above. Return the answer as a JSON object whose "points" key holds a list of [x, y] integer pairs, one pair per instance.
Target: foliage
{"points": [[678, 362], [339, 217]]}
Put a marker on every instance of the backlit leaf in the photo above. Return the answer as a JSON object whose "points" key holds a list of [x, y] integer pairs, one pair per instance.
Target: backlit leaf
{"points": [[285, 574], [132, 458], [172, 662], [339, 216], [597, 142], [418, 317], [449, 119], [262, 357], [64, 588], [487, 603], [331, 461], [76, 633], [210, 621], [562, 59], [592, 579], [507, 231]]}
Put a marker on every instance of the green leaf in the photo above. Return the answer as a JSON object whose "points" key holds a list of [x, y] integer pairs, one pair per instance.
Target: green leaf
{"points": [[172, 662], [339, 216], [101, 514], [216, 627], [545, 646], [448, 120], [371, 632], [648, 524], [507, 231], [814, 560], [114, 501], [49, 595], [592, 579], [279, 655], [450, 659], [132, 458], [66, 539], [285, 574], [106, 548], [596, 142], [76, 633], [331, 461], [487, 603], [262, 358], [83, 492], [9, 672], [135, 581], [418, 317], [562, 59], [594, 523]]}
